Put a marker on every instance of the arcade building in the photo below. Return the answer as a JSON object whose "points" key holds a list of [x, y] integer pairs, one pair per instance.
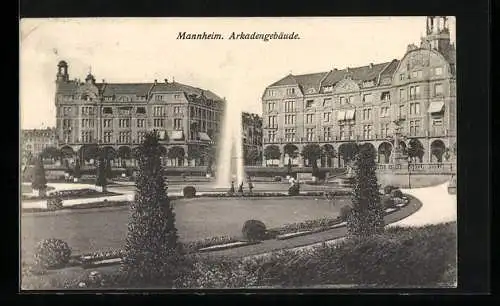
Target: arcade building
{"points": [[409, 101]]}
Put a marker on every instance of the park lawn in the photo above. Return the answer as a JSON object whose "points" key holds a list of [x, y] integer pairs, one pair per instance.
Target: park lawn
{"points": [[98, 229]]}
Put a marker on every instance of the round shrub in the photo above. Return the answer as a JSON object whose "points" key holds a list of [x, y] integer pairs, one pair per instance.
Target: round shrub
{"points": [[387, 202], [388, 189], [277, 179], [396, 193], [345, 211], [54, 203], [51, 253], [254, 230], [189, 192]]}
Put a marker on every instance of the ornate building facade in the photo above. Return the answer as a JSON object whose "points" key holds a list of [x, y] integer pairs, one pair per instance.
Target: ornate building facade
{"points": [[116, 117], [252, 138], [412, 99], [34, 141]]}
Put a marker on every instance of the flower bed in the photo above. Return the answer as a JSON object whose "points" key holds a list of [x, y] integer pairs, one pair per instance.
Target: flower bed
{"points": [[228, 246], [194, 246], [101, 204], [73, 194]]}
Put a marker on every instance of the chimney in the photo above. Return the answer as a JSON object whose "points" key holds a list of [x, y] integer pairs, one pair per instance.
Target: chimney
{"points": [[371, 65], [166, 81], [103, 81], [335, 69], [156, 81], [347, 69]]}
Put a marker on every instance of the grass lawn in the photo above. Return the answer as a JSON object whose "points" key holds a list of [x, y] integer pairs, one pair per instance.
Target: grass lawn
{"points": [[28, 189], [95, 229]]}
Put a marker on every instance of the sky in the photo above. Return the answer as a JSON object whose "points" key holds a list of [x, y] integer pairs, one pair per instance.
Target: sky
{"points": [[144, 49]]}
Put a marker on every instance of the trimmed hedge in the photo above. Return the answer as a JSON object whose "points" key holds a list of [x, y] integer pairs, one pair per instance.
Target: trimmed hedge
{"points": [[189, 192], [254, 230], [52, 253]]}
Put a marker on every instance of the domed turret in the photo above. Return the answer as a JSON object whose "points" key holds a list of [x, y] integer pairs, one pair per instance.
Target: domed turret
{"points": [[62, 72]]}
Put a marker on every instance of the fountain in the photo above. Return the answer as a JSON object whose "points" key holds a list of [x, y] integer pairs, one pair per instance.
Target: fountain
{"points": [[230, 149]]}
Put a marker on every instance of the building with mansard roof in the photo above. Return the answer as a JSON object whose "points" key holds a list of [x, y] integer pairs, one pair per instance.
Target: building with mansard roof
{"points": [[412, 100], [116, 116]]}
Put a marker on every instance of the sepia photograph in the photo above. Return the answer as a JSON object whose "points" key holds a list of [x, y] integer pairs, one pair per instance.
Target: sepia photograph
{"points": [[238, 153]]}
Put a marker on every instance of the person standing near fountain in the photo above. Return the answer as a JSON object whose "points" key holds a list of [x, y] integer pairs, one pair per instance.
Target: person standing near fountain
{"points": [[232, 187], [250, 184], [240, 188]]}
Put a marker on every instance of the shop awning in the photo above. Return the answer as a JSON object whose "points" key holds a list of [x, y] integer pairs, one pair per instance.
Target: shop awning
{"points": [[436, 107], [341, 116], [204, 136], [349, 115], [177, 135]]}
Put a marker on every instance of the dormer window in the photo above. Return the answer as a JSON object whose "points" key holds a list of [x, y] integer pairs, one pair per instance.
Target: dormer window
{"points": [[290, 91], [328, 89], [177, 96], [159, 98], [309, 103]]}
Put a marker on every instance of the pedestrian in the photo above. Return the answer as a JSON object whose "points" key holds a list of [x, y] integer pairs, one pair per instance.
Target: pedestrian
{"points": [[250, 184], [232, 187], [240, 188]]}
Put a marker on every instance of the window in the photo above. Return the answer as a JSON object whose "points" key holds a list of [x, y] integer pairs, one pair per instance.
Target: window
{"points": [[290, 135], [108, 137], [289, 119], [107, 110], [401, 76], [342, 132], [327, 133], [414, 92], [367, 132], [177, 124], [124, 137], [384, 111], [386, 96], [309, 103], [124, 123], [402, 94], [414, 108], [158, 111], [141, 110], [271, 93], [87, 136], [289, 106], [290, 91], [343, 100], [141, 136], [67, 110], [87, 123], [328, 89], [414, 127], [351, 131], [384, 130], [309, 118], [66, 123], [367, 98], [159, 98], [438, 90], [158, 123], [177, 109], [438, 71], [272, 136], [140, 123], [402, 113], [272, 122], [310, 134], [351, 99], [107, 123], [177, 97], [416, 74], [326, 117], [87, 110], [271, 106], [327, 102], [367, 114], [437, 122]]}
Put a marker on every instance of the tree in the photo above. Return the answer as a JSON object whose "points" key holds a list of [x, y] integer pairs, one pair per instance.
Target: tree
{"points": [[176, 153], [101, 179], [415, 149], [272, 152], [328, 151], [348, 151], [251, 155], [367, 216], [312, 152], [90, 152], [39, 182], [109, 171], [195, 152], [152, 237]]}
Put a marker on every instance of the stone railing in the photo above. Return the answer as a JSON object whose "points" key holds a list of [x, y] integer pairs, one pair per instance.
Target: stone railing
{"points": [[424, 168]]}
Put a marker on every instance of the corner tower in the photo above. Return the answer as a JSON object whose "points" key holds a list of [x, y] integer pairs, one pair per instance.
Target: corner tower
{"points": [[62, 72]]}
